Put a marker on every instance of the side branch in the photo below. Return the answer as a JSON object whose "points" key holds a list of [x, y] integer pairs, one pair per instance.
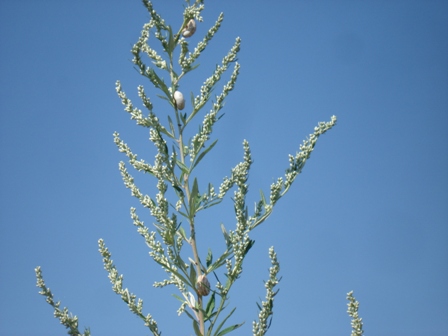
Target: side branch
{"points": [[66, 318], [126, 296]]}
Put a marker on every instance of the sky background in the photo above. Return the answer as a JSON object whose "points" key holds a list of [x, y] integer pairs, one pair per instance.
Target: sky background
{"points": [[369, 213]]}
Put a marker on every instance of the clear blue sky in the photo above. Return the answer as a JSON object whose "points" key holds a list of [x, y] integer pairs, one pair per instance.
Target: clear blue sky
{"points": [[369, 213]]}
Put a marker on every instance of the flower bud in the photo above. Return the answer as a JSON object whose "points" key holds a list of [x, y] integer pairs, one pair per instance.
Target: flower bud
{"points": [[202, 285], [179, 100], [189, 29]]}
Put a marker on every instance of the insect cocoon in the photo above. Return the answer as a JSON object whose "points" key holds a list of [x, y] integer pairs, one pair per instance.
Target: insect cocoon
{"points": [[202, 285], [189, 29], [179, 100]]}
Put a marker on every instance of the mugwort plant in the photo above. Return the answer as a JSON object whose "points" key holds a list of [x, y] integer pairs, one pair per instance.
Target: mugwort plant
{"points": [[173, 243]]}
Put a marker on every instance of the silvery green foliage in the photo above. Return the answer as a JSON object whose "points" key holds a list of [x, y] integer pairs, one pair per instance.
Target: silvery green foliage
{"points": [[173, 169]]}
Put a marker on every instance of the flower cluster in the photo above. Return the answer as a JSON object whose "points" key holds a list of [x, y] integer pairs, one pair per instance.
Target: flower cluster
{"points": [[352, 311], [66, 318], [261, 327], [130, 299]]}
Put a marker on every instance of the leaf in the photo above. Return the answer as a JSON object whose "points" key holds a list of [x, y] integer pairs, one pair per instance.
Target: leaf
{"points": [[209, 258], [179, 191], [159, 82], [189, 315], [179, 298], [193, 197], [182, 167], [204, 152], [183, 214], [263, 198], [196, 328], [163, 97], [217, 333], [184, 280], [181, 263], [209, 205], [193, 67], [192, 99], [192, 274], [226, 236], [183, 234], [183, 117], [171, 42], [219, 262], [175, 272], [229, 329], [171, 127], [208, 318], [210, 307], [249, 246]]}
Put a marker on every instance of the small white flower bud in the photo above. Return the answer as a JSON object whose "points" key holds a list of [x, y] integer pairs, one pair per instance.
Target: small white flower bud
{"points": [[179, 100], [189, 29], [202, 285]]}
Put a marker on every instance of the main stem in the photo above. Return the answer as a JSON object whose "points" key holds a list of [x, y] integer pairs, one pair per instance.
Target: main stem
{"points": [[193, 243], [174, 81]]}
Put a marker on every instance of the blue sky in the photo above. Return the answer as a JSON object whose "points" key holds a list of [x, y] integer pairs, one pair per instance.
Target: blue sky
{"points": [[369, 212]]}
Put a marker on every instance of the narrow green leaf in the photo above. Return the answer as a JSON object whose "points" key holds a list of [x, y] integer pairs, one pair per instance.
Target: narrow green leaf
{"points": [[217, 333], [183, 118], [179, 298], [171, 43], [209, 258], [192, 274], [193, 67], [183, 234], [196, 328], [182, 167], [249, 246], [183, 214], [175, 74], [171, 127], [164, 98], [203, 153], [229, 329], [159, 82], [193, 197], [189, 315], [209, 205], [210, 306], [180, 276], [219, 262], [209, 318], [222, 115], [263, 198], [179, 191], [192, 99], [226, 236]]}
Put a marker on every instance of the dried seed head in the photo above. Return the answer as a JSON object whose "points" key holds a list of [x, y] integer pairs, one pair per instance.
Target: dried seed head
{"points": [[179, 100], [189, 29], [202, 285]]}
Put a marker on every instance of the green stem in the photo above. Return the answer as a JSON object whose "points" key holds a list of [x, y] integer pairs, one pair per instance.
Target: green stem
{"points": [[192, 241]]}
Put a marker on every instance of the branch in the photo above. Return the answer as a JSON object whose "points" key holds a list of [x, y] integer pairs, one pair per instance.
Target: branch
{"points": [[126, 296], [66, 318]]}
